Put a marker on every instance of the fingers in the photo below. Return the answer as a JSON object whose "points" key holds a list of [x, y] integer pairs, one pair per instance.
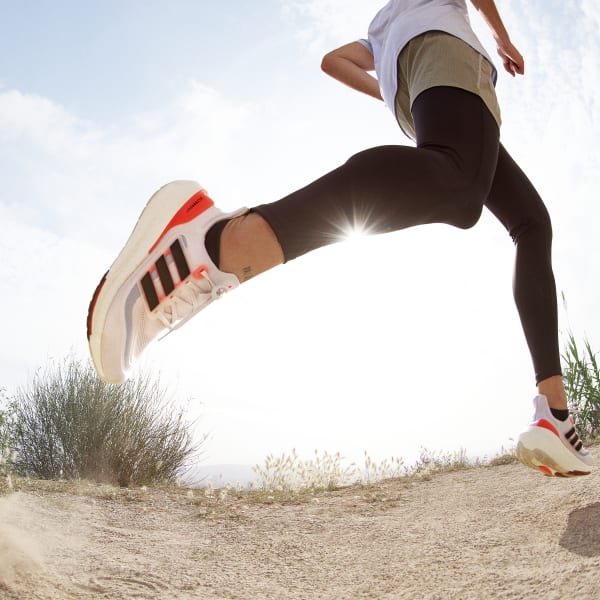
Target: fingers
{"points": [[512, 60], [511, 67], [508, 66]]}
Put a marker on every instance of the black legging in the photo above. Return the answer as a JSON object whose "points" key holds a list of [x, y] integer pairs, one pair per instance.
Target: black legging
{"points": [[457, 168]]}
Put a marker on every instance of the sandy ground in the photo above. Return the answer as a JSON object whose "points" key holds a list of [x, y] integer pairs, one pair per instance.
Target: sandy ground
{"points": [[488, 532]]}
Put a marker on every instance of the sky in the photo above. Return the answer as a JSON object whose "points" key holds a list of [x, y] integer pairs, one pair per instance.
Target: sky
{"points": [[384, 344]]}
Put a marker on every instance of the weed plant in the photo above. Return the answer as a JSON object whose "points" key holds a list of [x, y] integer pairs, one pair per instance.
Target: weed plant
{"points": [[430, 462], [288, 475], [5, 421], [582, 384], [70, 424], [7, 453], [325, 471]]}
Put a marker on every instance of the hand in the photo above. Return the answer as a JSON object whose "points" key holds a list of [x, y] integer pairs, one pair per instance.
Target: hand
{"points": [[511, 58]]}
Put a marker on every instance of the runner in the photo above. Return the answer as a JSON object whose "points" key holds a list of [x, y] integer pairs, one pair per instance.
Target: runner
{"points": [[438, 80]]}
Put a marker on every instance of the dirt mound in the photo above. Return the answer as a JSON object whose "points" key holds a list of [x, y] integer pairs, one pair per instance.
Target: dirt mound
{"points": [[488, 532]]}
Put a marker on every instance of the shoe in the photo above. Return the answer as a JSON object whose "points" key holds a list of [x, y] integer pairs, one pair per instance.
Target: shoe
{"points": [[553, 446], [162, 277]]}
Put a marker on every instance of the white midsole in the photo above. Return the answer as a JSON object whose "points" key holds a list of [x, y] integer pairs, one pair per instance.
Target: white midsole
{"points": [[539, 446]]}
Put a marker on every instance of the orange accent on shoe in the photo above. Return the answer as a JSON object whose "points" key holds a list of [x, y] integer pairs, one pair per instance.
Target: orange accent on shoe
{"points": [[547, 425], [93, 305], [195, 206], [198, 273], [545, 470]]}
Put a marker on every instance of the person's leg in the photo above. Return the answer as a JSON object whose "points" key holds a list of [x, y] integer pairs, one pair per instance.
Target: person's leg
{"points": [[248, 247], [444, 180], [169, 268], [550, 443], [518, 206]]}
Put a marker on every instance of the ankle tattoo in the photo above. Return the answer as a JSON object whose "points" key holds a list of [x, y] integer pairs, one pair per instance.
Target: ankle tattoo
{"points": [[247, 273]]}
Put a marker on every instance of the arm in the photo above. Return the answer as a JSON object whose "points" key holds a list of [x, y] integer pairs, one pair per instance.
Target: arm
{"points": [[511, 57], [351, 64]]}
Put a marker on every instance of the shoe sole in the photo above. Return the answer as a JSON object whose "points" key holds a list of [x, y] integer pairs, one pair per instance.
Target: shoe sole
{"points": [[538, 448], [163, 207]]}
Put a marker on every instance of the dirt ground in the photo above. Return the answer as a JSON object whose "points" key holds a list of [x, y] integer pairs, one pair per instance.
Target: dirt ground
{"points": [[487, 532]]}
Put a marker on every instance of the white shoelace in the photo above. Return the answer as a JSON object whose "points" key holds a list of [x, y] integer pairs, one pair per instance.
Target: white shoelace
{"points": [[186, 300]]}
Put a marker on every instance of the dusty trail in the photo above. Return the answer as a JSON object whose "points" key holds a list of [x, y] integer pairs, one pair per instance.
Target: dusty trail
{"points": [[488, 532]]}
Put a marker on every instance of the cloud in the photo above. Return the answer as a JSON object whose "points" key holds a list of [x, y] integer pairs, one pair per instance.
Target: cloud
{"points": [[32, 117], [75, 175], [327, 23], [591, 10], [47, 281], [72, 190]]}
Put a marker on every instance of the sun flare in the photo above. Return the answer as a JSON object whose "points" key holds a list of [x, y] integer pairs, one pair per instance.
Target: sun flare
{"points": [[355, 234]]}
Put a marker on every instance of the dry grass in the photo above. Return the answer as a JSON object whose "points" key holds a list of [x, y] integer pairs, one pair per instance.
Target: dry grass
{"points": [[232, 502], [67, 423], [282, 481]]}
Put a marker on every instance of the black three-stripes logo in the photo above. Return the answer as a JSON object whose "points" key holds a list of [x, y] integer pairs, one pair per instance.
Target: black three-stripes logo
{"points": [[160, 272], [573, 438]]}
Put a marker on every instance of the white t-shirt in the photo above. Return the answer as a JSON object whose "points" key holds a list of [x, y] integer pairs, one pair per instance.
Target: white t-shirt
{"points": [[399, 21]]}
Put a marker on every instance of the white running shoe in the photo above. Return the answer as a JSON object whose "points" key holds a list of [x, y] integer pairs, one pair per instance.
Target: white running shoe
{"points": [[162, 277], [552, 446]]}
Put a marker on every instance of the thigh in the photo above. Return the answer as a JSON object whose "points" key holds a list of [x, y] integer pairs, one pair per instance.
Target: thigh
{"points": [[513, 199], [456, 124], [438, 59]]}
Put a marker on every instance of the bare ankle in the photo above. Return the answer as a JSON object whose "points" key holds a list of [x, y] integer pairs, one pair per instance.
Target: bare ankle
{"points": [[554, 390], [249, 247]]}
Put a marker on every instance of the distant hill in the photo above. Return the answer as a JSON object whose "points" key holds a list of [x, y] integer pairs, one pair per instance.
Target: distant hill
{"points": [[220, 475]]}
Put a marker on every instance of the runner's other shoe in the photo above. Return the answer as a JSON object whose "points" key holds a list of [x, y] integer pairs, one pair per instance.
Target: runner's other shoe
{"points": [[162, 277], [552, 446]]}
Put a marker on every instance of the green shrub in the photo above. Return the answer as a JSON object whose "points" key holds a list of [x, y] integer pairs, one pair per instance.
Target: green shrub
{"points": [[582, 384], [70, 424], [3, 432], [7, 452], [4, 425]]}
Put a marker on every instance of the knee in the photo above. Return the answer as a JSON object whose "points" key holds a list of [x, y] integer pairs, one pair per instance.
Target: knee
{"points": [[543, 224], [469, 214], [534, 225]]}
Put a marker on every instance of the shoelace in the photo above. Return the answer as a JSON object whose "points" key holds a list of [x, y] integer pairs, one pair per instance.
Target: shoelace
{"points": [[186, 300]]}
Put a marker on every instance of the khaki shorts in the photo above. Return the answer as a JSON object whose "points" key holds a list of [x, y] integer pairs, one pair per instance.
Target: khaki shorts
{"points": [[436, 59]]}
